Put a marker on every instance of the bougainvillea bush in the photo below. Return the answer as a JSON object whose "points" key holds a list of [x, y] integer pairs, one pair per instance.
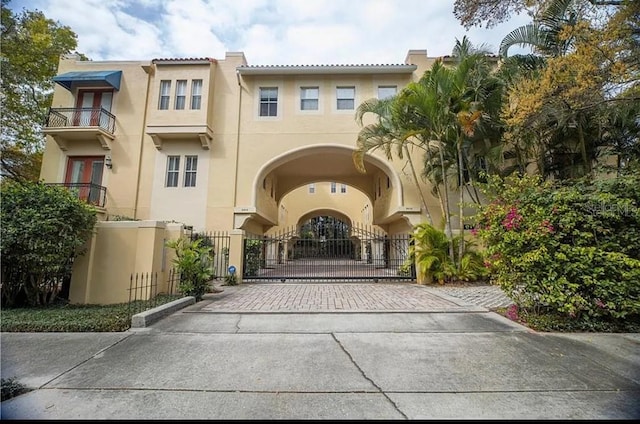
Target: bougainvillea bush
{"points": [[571, 249]]}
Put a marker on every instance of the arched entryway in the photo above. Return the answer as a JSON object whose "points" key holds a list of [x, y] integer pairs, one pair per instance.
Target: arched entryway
{"points": [[315, 219]]}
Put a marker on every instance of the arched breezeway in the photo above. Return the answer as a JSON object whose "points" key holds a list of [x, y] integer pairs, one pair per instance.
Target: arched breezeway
{"points": [[277, 177], [358, 233]]}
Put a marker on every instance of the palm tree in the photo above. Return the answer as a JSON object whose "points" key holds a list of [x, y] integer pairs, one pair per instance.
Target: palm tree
{"points": [[387, 134], [544, 34], [564, 134]]}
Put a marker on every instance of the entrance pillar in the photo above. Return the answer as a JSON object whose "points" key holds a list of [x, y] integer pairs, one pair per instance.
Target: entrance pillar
{"points": [[236, 252]]}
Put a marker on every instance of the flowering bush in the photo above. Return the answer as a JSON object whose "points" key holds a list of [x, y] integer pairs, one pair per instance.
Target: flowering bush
{"points": [[571, 249]]}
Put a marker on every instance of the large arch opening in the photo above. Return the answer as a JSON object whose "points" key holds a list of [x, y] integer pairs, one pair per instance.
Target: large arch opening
{"points": [[321, 219], [301, 167]]}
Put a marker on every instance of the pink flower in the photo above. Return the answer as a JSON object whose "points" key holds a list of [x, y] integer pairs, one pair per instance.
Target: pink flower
{"points": [[600, 304], [512, 312], [474, 232], [546, 225], [512, 220]]}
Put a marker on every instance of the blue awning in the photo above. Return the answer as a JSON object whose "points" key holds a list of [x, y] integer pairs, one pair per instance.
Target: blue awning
{"points": [[71, 80]]}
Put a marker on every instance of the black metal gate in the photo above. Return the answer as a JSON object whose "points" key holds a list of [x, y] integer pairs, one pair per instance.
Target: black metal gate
{"points": [[327, 251], [219, 242]]}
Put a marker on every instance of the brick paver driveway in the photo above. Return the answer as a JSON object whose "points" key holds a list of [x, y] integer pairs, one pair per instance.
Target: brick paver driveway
{"points": [[336, 297]]}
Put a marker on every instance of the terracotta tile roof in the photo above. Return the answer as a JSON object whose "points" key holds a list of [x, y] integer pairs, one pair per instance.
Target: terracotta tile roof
{"points": [[184, 59], [358, 65]]}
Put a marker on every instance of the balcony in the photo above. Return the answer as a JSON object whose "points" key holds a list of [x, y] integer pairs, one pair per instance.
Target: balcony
{"points": [[65, 125], [92, 194], [201, 134]]}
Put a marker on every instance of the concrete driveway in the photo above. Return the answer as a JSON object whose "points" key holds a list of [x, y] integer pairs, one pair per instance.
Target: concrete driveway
{"points": [[377, 351]]}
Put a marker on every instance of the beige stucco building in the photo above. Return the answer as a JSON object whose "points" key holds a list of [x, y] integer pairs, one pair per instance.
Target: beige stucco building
{"points": [[220, 145]]}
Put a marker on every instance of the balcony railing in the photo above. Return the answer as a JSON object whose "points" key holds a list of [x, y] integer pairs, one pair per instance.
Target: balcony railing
{"points": [[93, 194], [81, 117]]}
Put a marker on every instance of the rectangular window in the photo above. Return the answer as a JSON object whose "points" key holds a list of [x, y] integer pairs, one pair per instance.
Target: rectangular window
{"points": [[343, 188], [333, 187], [269, 101], [346, 98], [173, 169], [386, 91], [196, 94], [312, 188], [165, 90], [190, 170], [309, 98], [181, 94]]}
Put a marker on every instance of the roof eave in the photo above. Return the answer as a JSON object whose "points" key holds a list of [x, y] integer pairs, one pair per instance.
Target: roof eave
{"points": [[315, 70]]}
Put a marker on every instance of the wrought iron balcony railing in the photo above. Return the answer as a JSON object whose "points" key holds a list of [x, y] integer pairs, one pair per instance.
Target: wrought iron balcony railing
{"points": [[81, 117], [93, 194]]}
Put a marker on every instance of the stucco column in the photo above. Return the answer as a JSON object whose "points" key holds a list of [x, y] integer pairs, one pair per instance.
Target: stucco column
{"points": [[82, 272], [236, 252]]}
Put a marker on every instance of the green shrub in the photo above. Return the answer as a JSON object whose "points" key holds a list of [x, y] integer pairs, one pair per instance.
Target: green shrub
{"points": [[194, 264], [571, 249], [231, 279], [252, 256], [12, 388], [430, 250], [43, 228]]}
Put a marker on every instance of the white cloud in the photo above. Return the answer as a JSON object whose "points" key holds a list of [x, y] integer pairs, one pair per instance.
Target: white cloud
{"points": [[268, 31]]}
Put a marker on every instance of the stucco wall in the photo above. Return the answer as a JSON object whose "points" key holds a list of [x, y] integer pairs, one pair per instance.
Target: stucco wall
{"points": [[116, 251]]}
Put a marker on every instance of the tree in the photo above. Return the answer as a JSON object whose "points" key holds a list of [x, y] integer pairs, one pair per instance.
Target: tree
{"points": [[559, 110], [387, 133], [44, 228], [31, 48], [439, 114], [492, 12]]}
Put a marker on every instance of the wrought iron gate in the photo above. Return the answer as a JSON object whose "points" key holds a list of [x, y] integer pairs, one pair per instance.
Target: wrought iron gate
{"points": [[328, 252]]}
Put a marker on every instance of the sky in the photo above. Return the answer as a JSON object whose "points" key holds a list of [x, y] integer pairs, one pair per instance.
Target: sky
{"points": [[269, 32]]}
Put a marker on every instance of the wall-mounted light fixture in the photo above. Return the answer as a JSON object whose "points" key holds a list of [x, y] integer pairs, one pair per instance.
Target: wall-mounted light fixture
{"points": [[107, 162]]}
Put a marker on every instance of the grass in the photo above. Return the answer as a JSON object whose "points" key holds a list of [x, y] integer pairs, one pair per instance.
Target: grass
{"points": [[62, 317], [549, 322]]}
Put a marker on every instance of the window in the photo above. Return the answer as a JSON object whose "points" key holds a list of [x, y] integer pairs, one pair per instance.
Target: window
{"points": [[309, 98], [269, 101], [196, 94], [388, 182], [346, 97], [165, 89], [343, 188], [190, 170], [173, 169], [84, 175], [386, 91], [333, 187], [312, 188], [181, 93]]}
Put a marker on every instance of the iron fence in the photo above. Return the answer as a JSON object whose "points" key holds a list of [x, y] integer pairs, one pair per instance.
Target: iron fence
{"points": [[93, 194], [219, 242], [358, 252], [144, 291], [81, 117]]}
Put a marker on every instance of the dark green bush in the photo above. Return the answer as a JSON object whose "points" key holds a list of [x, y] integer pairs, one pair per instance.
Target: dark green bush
{"points": [[12, 388], [43, 229], [194, 263], [571, 249]]}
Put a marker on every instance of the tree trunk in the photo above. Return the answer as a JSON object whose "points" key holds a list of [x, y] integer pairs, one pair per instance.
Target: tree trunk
{"points": [[417, 183], [446, 202], [461, 205], [583, 150]]}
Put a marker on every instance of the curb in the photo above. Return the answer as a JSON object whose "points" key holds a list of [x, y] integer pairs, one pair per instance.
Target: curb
{"points": [[146, 318]]}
